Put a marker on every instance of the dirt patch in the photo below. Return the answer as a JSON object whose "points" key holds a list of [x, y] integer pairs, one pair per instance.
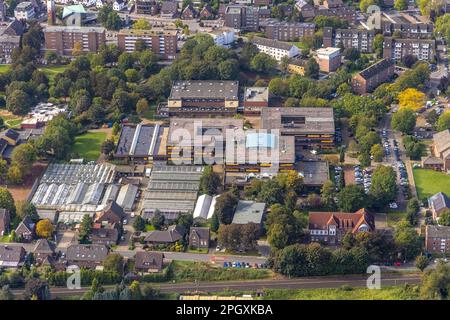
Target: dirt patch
{"points": [[254, 121], [349, 176], [21, 192]]}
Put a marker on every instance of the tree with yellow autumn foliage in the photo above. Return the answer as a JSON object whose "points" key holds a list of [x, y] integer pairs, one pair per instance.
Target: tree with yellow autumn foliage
{"points": [[44, 228], [411, 98]]}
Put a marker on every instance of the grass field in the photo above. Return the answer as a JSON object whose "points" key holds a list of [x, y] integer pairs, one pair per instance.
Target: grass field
{"points": [[190, 271], [429, 182], [386, 293], [87, 145]]}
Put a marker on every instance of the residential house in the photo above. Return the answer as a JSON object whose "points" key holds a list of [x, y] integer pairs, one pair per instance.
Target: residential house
{"points": [[11, 256], [4, 221], [173, 234], [106, 236], [119, 5], [148, 262], [44, 252], [199, 238], [206, 12], [169, 9], [370, 78], [189, 12], [275, 49], [86, 255], [99, 4], [25, 231], [150, 7], [438, 204], [111, 214], [437, 239], [331, 227]]}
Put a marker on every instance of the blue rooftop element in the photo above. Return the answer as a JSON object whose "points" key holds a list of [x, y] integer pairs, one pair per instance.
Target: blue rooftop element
{"points": [[260, 140]]}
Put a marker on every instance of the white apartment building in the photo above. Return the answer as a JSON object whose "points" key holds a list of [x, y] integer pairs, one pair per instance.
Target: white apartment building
{"points": [[275, 49]]}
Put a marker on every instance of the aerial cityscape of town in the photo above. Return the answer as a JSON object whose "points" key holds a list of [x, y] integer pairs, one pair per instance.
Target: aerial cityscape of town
{"points": [[224, 150]]}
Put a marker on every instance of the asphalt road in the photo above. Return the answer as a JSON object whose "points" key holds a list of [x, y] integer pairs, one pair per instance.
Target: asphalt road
{"points": [[255, 285]]}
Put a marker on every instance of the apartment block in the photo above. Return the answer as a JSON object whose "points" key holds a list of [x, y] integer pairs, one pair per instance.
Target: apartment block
{"points": [[370, 78], [329, 59], [397, 49], [160, 42], [275, 49], [349, 38], [409, 30], [437, 239], [241, 17], [62, 39], [285, 31]]}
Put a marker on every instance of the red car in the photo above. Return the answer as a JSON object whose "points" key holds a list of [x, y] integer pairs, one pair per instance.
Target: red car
{"points": [[397, 264]]}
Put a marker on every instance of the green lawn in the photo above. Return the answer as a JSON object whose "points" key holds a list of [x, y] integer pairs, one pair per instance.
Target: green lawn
{"points": [[4, 68], [52, 71], [203, 250], [394, 217], [149, 227], [87, 145], [300, 45], [385, 293], [429, 182], [4, 239], [11, 121]]}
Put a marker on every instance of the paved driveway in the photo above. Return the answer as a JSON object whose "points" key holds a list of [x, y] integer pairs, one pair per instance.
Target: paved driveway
{"points": [[64, 239]]}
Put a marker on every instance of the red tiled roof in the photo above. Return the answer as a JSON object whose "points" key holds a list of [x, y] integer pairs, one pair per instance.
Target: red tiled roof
{"points": [[342, 220]]}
